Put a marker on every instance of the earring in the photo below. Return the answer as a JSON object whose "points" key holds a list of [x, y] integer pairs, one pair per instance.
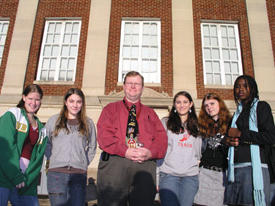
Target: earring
{"points": [[175, 111], [190, 111]]}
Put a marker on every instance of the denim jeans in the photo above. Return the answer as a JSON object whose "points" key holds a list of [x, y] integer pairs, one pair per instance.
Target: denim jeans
{"points": [[16, 199], [66, 189], [177, 191]]}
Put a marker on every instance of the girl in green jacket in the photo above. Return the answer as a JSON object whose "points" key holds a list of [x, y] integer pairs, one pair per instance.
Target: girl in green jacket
{"points": [[22, 145]]}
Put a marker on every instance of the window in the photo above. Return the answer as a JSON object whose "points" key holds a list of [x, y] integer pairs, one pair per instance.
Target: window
{"points": [[59, 51], [221, 53], [4, 25], [140, 49]]}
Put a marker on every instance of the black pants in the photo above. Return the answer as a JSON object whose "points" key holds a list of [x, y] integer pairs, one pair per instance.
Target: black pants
{"points": [[122, 182]]}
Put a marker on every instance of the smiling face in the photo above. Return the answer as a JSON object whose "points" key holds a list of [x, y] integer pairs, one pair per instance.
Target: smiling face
{"points": [[182, 105], [242, 90], [32, 102], [212, 108], [74, 105], [133, 88]]}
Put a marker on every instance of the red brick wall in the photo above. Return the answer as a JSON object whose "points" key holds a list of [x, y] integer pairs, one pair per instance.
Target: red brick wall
{"points": [[8, 9], [58, 8], [231, 10], [146, 9], [270, 4]]}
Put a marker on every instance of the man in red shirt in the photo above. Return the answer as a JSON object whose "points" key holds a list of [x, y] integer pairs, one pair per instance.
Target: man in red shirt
{"points": [[132, 138]]}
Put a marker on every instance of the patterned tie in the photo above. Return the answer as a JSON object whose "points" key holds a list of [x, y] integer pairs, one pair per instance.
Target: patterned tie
{"points": [[132, 128]]}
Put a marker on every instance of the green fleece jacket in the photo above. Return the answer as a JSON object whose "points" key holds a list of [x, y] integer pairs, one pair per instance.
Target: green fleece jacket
{"points": [[14, 129]]}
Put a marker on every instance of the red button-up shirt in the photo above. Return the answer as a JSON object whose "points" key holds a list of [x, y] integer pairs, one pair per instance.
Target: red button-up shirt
{"points": [[112, 124]]}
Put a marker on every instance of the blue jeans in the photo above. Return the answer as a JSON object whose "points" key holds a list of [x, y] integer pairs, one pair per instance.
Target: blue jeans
{"points": [[66, 189], [177, 191], [16, 199]]}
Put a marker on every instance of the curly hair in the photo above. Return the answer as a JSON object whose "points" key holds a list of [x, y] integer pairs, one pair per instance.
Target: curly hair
{"points": [[207, 126], [62, 120], [174, 122]]}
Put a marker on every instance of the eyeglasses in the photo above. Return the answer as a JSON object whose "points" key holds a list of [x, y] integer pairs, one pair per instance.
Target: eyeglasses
{"points": [[133, 84]]}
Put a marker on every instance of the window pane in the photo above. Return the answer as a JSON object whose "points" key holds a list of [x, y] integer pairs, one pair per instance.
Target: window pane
{"points": [[217, 79], [49, 38], [208, 67], [206, 30], [214, 41], [55, 50], [126, 64], [44, 75], [62, 75], [56, 38], [227, 68], [206, 41], [51, 75], [233, 54], [5, 28], [225, 54], [68, 28], [46, 63], [234, 68], [63, 63], [224, 42], [134, 52], [213, 30], [216, 67], [51, 28], [126, 52], [58, 27], [228, 79], [71, 64], [232, 42], [73, 51], [231, 31], [47, 51], [75, 28], [67, 38], [53, 63], [134, 65], [74, 38], [70, 75], [224, 31], [65, 51], [207, 54], [209, 79], [215, 54]]}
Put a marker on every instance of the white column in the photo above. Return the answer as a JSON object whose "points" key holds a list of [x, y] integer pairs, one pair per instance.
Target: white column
{"points": [[184, 68], [20, 47], [96, 50], [263, 59]]}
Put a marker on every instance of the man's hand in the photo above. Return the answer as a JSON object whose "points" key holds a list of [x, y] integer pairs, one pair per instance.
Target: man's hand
{"points": [[138, 154]]}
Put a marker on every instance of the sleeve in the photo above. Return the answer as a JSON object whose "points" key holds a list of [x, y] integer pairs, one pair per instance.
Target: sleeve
{"points": [[49, 130], [91, 150], [108, 135], [33, 171], [266, 133], [160, 140], [10, 153]]}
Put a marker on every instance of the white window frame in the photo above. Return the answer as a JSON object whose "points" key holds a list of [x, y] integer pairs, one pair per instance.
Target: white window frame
{"points": [[221, 60], [57, 69], [4, 27], [147, 75]]}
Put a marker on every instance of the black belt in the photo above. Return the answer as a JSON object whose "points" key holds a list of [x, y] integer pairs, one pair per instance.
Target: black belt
{"points": [[214, 168]]}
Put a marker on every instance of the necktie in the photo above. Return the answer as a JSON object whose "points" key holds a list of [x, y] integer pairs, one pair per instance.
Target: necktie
{"points": [[132, 128]]}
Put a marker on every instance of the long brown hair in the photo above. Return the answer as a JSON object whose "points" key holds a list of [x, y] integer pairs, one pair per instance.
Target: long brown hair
{"points": [[29, 89], [174, 122], [207, 126], [61, 122]]}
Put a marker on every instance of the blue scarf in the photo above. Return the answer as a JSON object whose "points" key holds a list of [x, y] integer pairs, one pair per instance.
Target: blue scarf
{"points": [[257, 176]]}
